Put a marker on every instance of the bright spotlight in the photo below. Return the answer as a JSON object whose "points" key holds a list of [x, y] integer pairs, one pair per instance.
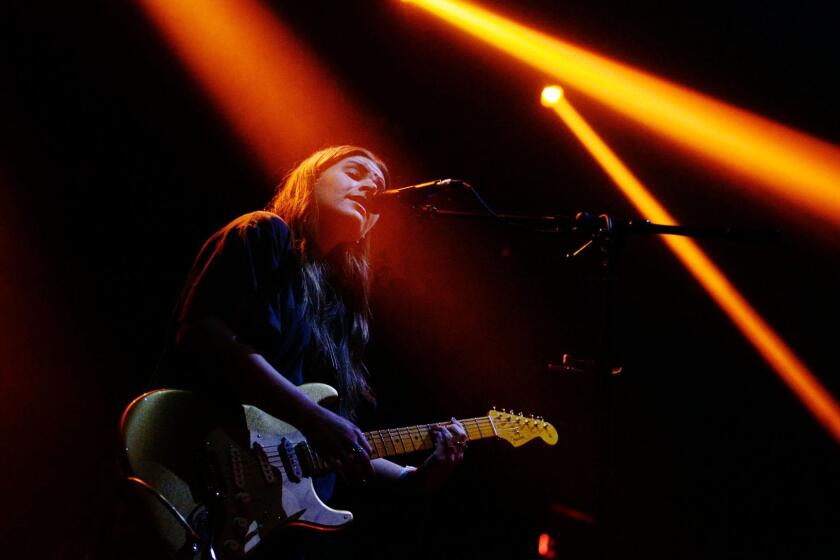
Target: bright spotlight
{"points": [[273, 90], [551, 95], [794, 167], [769, 344]]}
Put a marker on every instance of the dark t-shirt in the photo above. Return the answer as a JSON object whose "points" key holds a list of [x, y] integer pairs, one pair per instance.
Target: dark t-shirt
{"points": [[247, 275]]}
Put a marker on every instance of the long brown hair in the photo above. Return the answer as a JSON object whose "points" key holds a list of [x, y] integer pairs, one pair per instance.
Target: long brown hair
{"points": [[335, 289]]}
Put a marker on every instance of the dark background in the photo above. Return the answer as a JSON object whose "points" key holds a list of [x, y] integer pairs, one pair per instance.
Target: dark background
{"points": [[115, 167]]}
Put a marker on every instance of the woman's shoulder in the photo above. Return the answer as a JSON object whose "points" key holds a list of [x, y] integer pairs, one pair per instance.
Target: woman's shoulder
{"points": [[258, 225], [259, 219]]}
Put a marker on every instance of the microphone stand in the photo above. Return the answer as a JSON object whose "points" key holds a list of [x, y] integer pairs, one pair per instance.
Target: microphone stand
{"points": [[603, 227], [607, 236]]}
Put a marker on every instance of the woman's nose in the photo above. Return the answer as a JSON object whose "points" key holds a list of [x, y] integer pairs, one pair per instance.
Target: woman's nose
{"points": [[367, 188]]}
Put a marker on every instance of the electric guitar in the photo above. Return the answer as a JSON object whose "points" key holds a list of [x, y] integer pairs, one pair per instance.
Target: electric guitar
{"points": [[218, 491]]}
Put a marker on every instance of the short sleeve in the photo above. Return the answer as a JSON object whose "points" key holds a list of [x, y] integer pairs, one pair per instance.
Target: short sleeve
{"points": [[242, 276]]}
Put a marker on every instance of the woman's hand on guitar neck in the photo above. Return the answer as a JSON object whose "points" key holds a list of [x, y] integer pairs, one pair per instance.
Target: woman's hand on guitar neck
{"points": [[450, 443]]}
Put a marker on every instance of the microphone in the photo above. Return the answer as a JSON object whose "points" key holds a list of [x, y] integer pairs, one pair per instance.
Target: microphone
{"points": [[414, 193]]}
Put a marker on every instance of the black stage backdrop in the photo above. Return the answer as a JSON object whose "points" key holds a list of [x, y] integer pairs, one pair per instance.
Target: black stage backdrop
{"points": [[115, 167]]}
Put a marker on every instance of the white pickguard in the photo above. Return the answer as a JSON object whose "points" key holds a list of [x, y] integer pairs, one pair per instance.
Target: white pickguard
{"points": [[299, 498]]}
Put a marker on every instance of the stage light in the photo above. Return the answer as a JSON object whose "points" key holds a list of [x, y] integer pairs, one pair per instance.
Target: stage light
{"points": [[273, 91], [795, 167], [768, 344], [545, 546], [551, 95]]}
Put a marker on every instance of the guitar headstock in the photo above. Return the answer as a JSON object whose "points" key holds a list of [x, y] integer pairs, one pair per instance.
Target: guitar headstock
{"points": [[518, 429]]}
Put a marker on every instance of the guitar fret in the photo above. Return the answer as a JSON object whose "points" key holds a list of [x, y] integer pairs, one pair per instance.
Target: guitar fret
{"points": [[469, 427], [378, 434], [476, 432], [409, 439], [380, 441], [391, 438], [419, 443], [371, 439], [393, 449], [396, 432], [425, 438], [400, 439], [479, 426]]}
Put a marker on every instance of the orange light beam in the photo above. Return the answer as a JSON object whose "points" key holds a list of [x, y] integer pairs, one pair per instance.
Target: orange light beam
{"points": [[799, 168], [769, 345], [275, 94]]}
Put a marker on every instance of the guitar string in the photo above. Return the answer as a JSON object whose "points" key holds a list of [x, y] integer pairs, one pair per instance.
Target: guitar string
{"points": [[413, 434], [410, 434], [423, 445], [413, 431]]}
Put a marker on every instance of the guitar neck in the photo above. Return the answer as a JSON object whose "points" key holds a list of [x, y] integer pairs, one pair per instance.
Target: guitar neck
{"points": [[400, 441]]}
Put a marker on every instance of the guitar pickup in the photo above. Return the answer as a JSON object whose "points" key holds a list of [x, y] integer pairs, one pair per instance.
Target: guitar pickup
{"points": [[237, 468], [286, 449], [265, 465]]}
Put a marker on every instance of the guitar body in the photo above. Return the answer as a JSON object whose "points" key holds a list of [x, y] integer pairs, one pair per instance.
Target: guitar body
{"points": [[219, 481], [220, 488]]}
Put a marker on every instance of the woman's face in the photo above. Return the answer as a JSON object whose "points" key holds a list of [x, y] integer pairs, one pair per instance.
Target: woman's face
{"points": [[342, 193]]}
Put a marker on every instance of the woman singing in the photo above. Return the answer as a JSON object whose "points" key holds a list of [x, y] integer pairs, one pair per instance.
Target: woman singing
{"points": [[280, 297]]}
